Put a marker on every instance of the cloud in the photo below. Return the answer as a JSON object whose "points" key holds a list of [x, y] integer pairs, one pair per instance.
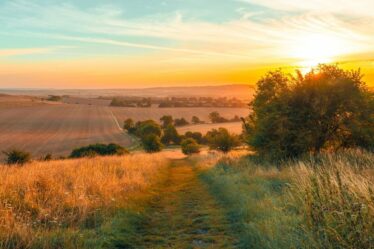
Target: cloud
{"points": [[24, 51], [345, 7], [242, 39]]}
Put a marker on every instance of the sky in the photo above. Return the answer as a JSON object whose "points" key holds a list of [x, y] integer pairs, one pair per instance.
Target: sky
{"points": [[143, 43]]}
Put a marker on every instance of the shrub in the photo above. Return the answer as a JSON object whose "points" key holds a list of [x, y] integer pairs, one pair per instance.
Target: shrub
{"points": [[222, 140], [196, 120], [180, 122], [151, 143], [215, 117], [98, 149], [190, 146], [17, 157]]}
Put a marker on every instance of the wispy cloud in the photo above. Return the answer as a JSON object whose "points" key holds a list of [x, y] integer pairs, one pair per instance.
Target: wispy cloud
{"points": [[25, 51]]}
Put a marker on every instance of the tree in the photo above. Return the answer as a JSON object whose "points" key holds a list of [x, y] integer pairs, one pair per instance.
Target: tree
{"points": [[17, 157], [215, 117], [190, 146], [328, 108], [148, 127], [129, 125], [98, 149], [151, 143], [166, 120], [180, 122], [196, 120], [197, 136], [222, 140], [170, 135]]}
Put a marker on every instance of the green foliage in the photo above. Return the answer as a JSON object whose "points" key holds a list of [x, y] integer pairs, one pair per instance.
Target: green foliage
{"points": [[170, 135], [197, 136], [190, 146], [222, 140], [17, 157], [328, 108], [129, 125], [196, 120], [151, 143], [54, 98], [166, 120], [98, 149], [215, 117], [148, 127], [180, 122]]}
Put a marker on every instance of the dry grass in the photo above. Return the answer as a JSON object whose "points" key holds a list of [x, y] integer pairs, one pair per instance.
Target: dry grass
{"points": [[319, 202], [42, 197]]}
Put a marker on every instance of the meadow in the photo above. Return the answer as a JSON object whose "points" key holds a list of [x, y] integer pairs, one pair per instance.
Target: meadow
{"points": [[74, 203], [323, 201], [45, 127]]}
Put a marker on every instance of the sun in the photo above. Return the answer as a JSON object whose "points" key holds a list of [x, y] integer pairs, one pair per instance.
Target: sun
{"points": [[312, 49]]}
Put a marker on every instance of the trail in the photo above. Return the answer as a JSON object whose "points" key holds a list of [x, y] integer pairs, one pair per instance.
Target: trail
{"points": [[185, 215]]}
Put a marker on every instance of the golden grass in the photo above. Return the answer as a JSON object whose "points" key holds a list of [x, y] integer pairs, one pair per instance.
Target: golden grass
{"points": [[326, 201], [42, 196]]}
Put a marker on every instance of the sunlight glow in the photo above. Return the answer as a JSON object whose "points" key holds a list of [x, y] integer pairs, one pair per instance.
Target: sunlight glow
{"points": [[311, 50]]}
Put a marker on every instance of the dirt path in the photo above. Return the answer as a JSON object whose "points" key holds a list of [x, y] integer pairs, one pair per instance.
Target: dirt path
{"points": [[185, 215]]}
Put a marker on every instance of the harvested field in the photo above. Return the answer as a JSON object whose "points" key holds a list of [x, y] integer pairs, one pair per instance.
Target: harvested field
{"points": [[139, 114], [233, 127], [58, 128]]}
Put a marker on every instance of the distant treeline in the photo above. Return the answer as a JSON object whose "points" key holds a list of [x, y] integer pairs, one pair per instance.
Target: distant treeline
{"points": [[175, 102]]}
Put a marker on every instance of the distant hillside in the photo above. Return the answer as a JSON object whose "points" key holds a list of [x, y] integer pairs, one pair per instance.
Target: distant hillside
{"points": [[238, 91]]}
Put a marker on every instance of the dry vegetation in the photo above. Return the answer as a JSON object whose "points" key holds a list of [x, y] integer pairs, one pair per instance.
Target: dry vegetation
{"points": [[319, 202], [58, 128], [42, 199]]}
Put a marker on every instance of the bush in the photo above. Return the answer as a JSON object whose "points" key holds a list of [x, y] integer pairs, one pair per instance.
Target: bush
{"points": [[152, 143], [327, 109], [17, 157], [98, 149], [190, 146], [180, 122], [222, 140]]}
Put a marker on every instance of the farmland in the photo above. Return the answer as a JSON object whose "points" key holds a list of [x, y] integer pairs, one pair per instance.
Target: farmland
{"points": [[57, 128], [155, 113], [42, 127]]}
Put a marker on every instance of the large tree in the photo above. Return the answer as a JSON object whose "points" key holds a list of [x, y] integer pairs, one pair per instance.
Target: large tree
{"points": [[328, 108]]}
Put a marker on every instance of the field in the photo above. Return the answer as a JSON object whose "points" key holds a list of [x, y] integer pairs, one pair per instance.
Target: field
{"points": [[57, 128], [42, 127], [77, 210], [233, 127], [155, 113]]}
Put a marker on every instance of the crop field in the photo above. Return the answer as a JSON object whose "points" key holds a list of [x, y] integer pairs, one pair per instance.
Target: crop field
{"points": [[42, 127], [139, 114], [57, 128], [233, 127]]}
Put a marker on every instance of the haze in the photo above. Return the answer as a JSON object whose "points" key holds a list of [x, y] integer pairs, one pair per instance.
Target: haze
{"points": [[127, 44]]}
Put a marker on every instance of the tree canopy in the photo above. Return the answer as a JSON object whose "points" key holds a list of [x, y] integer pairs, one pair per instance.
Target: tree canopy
{"points": [[327, 109]]}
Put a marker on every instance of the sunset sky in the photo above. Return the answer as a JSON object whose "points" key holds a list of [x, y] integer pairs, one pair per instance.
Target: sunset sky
{"points": [[141, 43]]}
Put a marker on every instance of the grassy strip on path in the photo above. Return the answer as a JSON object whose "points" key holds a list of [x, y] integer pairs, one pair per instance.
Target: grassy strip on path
{"points": [[184, 215]]}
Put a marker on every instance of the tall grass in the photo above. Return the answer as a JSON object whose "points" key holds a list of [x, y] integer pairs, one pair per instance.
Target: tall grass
{"points": [[45, 202], [320, 202]]}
